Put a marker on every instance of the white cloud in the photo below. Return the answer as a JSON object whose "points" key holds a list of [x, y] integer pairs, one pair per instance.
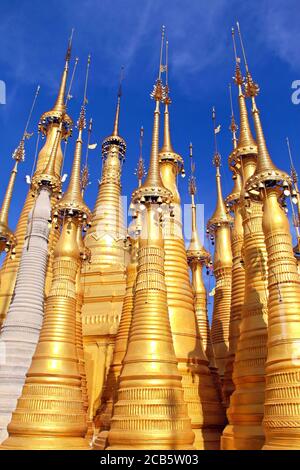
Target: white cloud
{"points": [[127, 32], [280, 26]]}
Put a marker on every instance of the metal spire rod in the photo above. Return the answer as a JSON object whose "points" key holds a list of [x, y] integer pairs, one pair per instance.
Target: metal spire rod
{"points": [[81, 121], [233, 126], [191, 158], [68, 97], [121, 81], [167, 65], [215, 134], [71, 36], [88, 140], [31, 110], [19, 153], [234, 44], [140, 170], [70, 44], [289, 151], [85, 101], [69, 48], [230, 97], [192, 179], [141, 141], [161, 51], [242, 46], [85, 170]]}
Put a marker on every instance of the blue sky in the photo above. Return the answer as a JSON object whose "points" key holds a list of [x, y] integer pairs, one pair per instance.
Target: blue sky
{"points": [[127, 32]]}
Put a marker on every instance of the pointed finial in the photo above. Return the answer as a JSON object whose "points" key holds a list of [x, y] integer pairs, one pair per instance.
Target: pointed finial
{"points": [[141, 141], [233, 126], [85, 175], [72, 202], [167, 59], [246, 143], [220, 215], [81, 123], [158, 93], [165, 68], [60, 101], [192, 179], [265, 168], [69, 49], [90, 128], [68, 95], [48, 176], [19, 153], [167, 152], [238, 77], [195, 251], [116, 122], [294, 175], [115, 139], [58, 113], [251, 88], [85, 100], [160, 70], [153, 189], [217, 156], [234, 43], [242, 46], [140, 170], [73, 195]]}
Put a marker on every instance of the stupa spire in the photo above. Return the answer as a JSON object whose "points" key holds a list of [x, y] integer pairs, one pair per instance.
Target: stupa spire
{"points": [[58, 113], [234, 196], [109, 394], [198, 385], [195, 249], [264, 161], [220, 215], [167, 145], [197, 381], [60, 105], [167, 152], [272, 186], [104, 280], [55, 370], [49, 174], [198, 257], [55, 125], [244, 432], [146, 377], [246, 142], [72, 198], [238, 272], [115, 138], [219, 228], [8, 239], [20, 332]]}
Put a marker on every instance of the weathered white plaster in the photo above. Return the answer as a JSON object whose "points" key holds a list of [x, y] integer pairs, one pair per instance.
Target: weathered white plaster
{"points": [[20, 331]]}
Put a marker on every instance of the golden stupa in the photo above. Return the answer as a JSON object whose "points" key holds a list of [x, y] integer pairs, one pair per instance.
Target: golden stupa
{"points": [[110, 345]]}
